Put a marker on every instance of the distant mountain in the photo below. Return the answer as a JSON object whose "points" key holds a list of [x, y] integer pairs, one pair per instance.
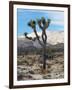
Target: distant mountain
{"points": [[53, 38], [23, 42]]}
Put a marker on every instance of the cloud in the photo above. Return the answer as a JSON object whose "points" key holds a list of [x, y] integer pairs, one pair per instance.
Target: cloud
{"points": [[57, 23]]}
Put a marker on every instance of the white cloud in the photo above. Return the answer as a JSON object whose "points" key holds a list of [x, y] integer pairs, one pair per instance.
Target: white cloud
{"points": [[57, 22]]}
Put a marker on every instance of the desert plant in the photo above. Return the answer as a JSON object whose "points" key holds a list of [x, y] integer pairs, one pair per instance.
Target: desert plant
{"points": [[43, 25]]}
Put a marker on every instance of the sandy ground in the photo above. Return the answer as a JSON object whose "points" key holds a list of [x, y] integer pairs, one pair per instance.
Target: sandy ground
{"points": [[29, 67]]}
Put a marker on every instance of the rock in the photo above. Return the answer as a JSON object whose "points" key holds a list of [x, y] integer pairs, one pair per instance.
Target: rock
{"points": [[47, 76], [37, 77], [31, 72]]}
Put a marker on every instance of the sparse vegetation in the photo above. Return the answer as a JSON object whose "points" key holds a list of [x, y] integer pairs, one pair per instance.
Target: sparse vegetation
{"points": [[30, 67]]}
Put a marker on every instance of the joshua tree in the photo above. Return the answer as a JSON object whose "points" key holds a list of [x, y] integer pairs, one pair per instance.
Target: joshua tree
{"points": [[43, 25]]}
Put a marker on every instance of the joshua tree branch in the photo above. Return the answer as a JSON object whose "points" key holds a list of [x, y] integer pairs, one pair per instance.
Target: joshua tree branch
{"points": [[30, 38], [37, 37], [44, 36], [39, 24]]}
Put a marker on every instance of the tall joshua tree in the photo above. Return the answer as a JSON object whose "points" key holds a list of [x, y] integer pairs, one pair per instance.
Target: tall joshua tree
{"points": [[43, 25]]}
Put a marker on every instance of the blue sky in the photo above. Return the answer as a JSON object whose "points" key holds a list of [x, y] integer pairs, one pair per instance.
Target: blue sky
{"points": [[25, 15]]}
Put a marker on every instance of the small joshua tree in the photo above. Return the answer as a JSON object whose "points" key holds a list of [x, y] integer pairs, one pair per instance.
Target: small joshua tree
{"points": [[43, 25]]}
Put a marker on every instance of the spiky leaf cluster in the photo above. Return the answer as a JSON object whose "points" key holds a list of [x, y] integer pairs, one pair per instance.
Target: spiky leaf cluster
{"points": [[25, 33], [43, 23], [32, 24]]}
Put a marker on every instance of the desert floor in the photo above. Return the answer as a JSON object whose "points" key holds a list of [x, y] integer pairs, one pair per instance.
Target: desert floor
{"points": [[29, 67]]}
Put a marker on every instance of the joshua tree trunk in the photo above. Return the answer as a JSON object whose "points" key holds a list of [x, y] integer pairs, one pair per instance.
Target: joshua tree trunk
{"points": [[44, 57]]}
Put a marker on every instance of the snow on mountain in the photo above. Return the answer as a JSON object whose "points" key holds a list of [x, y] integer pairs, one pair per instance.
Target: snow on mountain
{"points": [[21, 37], [53, 37]]}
